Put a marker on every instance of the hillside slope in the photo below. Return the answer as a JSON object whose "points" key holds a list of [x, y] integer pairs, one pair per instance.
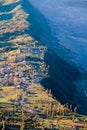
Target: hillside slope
{"points": [[25, 71]]}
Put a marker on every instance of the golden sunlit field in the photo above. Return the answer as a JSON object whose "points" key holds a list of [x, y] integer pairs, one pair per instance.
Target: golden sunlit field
{"points": [[24, 102]]}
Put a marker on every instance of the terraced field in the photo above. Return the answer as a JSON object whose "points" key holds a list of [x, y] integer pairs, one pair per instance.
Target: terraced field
{"points": [[24, 103]]}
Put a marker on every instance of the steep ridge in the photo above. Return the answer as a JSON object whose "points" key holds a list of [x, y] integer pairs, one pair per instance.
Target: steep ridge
{"points": [[63, 74], [27, 67]]}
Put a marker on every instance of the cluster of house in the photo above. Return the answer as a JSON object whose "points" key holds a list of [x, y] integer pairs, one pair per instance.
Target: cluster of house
{"points": [[26, 69], [33, 51], [3, 58]]}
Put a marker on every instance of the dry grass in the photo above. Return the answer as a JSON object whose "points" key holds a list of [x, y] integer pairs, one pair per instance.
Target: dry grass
{"points": [[22, 39], [17, 23], [6, 2], [9, 93], [14, 52]]}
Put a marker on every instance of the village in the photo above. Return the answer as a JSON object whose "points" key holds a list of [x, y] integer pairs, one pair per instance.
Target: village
{"points": [[22, 67], [24, 103], [21, 71], [23, 100]]}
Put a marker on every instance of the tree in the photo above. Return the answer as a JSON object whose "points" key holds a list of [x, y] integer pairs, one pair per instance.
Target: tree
{"points": [[42, 124], [70, 108], [3, 123], [22, 123], [75, 110], [57, 123]]}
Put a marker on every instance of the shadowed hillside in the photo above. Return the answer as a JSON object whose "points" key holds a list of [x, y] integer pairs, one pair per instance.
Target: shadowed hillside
{"points": [[31, 74], [62, 73]]}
